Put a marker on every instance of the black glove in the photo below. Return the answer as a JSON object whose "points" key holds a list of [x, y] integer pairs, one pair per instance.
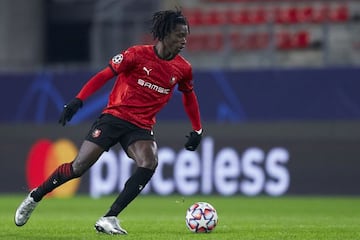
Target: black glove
{"points": [[69, 110], [193, 141]]}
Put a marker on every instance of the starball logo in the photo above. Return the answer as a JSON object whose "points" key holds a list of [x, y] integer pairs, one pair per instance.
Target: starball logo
{"points": [[44, 157]]}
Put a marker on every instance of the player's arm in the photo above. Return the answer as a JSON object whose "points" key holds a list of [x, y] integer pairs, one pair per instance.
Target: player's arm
{"points": [[94, 84], [191, 106]]}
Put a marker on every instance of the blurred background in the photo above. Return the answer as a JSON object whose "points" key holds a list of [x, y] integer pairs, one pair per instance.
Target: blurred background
{"points": [[277, 82]]}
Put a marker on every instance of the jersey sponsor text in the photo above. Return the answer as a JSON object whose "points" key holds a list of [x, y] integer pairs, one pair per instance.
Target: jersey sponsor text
{"points": [[154, 87]]}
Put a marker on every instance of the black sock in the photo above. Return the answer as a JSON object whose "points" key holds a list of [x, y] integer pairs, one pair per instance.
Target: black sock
{"points": [[132, 188], [60, 176]]}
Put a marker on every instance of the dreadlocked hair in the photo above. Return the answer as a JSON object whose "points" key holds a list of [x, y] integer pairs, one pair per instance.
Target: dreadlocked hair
{"points": [[163, 22]]}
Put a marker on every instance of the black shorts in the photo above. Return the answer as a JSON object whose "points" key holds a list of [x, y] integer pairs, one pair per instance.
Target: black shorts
{"points": [[108, 130]]}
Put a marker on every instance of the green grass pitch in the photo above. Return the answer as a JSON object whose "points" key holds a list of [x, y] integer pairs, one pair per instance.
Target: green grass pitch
{"points": [[156, 217]]}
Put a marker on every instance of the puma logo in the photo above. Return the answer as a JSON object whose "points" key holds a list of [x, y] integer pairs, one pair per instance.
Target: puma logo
{"points": [[147, 70]]}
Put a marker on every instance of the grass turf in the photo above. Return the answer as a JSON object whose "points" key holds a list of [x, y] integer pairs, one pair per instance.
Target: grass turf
{"points": [[155, 217]]}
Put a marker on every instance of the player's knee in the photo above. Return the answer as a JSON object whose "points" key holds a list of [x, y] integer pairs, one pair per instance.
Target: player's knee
{"points": [[149, 163], [155, 165]]}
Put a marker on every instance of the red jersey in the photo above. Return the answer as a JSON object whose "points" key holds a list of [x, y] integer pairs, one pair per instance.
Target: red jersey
{"points": [[145, 83]]}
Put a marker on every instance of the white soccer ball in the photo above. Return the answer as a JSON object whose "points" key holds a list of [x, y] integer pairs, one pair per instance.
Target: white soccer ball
{"points": [[201, 217]]}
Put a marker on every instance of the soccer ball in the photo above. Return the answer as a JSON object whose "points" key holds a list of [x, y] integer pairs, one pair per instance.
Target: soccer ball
{"points": [[201, 217]]}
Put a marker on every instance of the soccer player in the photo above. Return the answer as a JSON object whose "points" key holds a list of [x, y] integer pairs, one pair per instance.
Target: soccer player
{"points": [[146, 76]]}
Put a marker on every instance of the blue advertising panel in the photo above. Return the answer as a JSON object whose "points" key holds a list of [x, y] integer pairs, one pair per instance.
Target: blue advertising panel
{"points": [[224, 96]]}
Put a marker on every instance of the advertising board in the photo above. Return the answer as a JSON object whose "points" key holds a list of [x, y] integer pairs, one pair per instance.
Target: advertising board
{"points": [[247, 159]]}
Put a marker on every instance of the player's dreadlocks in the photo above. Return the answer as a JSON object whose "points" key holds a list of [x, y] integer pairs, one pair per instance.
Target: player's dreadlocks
{"points": [[163, 22]]}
